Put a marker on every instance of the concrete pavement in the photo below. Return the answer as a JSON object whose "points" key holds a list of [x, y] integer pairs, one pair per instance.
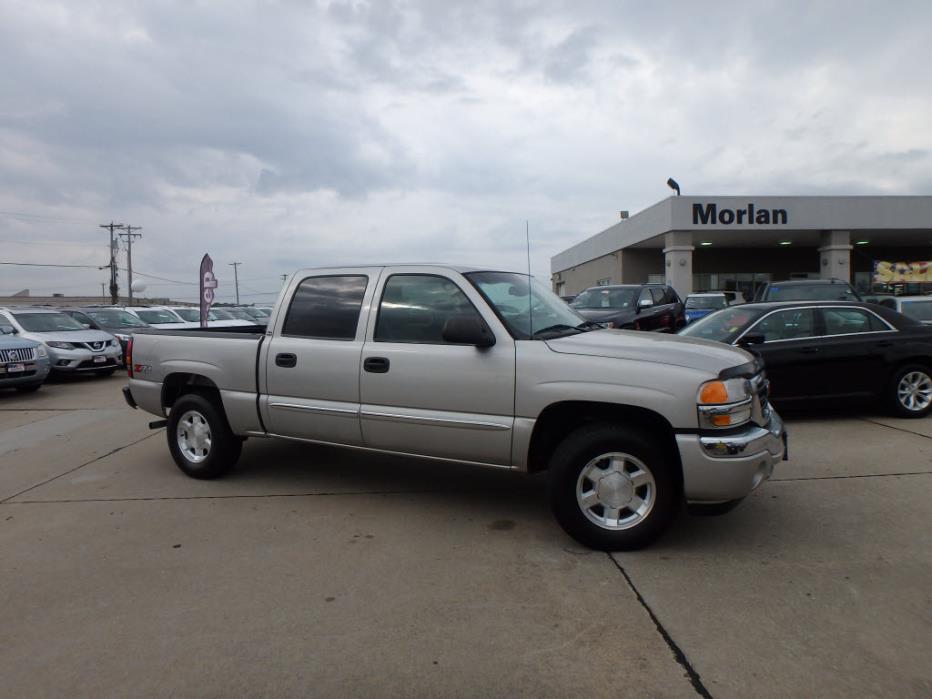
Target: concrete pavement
{"points": [[313, 571]]}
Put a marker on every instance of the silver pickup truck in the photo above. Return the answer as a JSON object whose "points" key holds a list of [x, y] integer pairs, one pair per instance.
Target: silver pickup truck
{"points": [[475, 366]]}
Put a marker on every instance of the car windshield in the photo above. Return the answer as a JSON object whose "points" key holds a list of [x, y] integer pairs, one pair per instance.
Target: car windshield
{"points": [[192, 315], [705, 302], [918, 310], [113, 318], [530, 311], [222, 314], [253, 313], [47, 322], [810, 292], [240, 314], [158, 316], [721, 325], [606, 298]]}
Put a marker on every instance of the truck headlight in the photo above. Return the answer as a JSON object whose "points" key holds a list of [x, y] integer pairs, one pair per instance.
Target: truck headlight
{"points": [[60, 345], [723, 404]]}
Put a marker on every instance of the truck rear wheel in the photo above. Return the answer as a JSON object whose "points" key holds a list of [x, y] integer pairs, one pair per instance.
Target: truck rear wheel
{"points": [[199, 438], [612, 487]]}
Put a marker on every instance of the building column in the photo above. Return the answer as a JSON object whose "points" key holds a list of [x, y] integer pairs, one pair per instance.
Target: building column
{"points": [[835, 254], [678, 261]]}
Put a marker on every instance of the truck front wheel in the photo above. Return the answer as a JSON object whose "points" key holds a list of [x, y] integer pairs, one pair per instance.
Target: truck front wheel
{"points": [[199, 438], [612, 487]]}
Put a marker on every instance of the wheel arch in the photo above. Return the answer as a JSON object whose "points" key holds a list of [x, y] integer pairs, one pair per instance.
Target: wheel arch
{"points": [[559, 419], [179, 383]]}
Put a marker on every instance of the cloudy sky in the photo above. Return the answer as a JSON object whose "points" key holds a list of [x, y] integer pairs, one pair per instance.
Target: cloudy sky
{"points": [[287, 134]]}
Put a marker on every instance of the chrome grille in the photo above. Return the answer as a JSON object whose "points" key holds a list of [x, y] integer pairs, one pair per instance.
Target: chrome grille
{"points": [[760, 387], [21, 354], [93, 346]]}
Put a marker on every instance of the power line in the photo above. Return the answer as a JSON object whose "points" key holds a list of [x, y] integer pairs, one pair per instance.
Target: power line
{"points": [[44, 217], [36, 264]]}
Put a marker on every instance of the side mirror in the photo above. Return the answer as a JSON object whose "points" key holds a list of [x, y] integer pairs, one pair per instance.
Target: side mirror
{"points": [[86, 326], [645, 303], [749, 340], [7, 330], [467, 330]]}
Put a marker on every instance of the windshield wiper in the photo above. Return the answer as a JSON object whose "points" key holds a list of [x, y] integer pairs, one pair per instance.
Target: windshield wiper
{"points": [[589, 325], [559, 327]]}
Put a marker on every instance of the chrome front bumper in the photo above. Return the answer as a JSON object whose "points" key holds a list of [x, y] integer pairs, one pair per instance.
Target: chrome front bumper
{"points": [[719, 468]]}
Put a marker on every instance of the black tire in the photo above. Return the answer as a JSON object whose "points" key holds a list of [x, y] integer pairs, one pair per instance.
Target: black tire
{"points": [[583, 446], [105, 372], [224, 449], [28, 388], [892, 397]]}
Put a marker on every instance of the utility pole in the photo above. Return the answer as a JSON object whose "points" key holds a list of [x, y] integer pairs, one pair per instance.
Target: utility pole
{"points": [[103, 295], [129, 254], [235, 265], [114, 289]]}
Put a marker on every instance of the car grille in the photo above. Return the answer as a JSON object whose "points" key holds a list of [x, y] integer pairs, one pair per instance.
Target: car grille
{"points": [[93, 346], [21, 354], [760, 386]]}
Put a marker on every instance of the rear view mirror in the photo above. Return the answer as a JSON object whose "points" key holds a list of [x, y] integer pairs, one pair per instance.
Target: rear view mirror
{"points": [[7, 330], [749, 340], [467, 330]]}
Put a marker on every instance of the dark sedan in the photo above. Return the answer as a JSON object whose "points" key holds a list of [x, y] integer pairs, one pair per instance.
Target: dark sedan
{"points": [[832, 350]]}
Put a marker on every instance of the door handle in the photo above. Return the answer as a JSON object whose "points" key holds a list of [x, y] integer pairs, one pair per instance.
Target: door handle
{"points": [[808, 350], [376, 365], [286, 360]]}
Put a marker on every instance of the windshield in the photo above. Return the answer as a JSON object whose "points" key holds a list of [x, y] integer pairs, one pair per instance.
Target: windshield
{"points": [[192, 315], [722, 325], [222, 314], [158, 316], [527, 311], [606, 298], [113, 318], [810, 292], [240, 314], [704, 302], [47, 322], [253, 313], [918, 310]]}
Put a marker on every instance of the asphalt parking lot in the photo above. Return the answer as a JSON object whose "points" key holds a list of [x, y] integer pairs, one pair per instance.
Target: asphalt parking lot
{"points": [[314, 572]]}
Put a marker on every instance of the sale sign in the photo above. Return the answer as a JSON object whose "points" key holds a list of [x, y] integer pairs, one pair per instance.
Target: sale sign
{"points": [[208, 283]]}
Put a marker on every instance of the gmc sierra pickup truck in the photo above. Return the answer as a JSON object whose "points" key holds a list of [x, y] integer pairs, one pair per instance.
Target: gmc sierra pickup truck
{"points": [[483, 367]]}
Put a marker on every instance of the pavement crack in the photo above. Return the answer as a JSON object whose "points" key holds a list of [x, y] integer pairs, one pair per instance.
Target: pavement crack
{"points": [[894, 427], [842, 478], [678, 653], [76, 468]]}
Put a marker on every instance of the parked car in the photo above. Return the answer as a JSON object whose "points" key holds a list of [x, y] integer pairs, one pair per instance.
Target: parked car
{"points": [[700, 305], [488, 368], [806, 290], [259, 316], [24, 364], [915, 307], [225, 316], [161, 317], [71, 347], [568, 299], [837, 350], [119, 323], [632, 307]]}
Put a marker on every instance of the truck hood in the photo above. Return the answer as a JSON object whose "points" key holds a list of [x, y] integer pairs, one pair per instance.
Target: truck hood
{"points": [[655, 348]]}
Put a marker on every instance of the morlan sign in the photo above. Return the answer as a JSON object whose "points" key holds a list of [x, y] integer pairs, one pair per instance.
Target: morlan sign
{"points": [[706, 214]]}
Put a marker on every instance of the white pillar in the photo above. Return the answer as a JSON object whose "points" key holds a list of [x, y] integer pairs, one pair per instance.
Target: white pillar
{"points": [[678, 261], [835, 255]]}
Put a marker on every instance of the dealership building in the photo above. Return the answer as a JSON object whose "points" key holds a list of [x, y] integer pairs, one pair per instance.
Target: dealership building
{"points": [[697, 243]]}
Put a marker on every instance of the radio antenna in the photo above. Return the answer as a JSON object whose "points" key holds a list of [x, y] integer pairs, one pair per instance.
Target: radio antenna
{"points": [[530, 312]]}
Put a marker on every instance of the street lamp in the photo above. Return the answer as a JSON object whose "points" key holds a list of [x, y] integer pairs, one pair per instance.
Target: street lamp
{"points": [[671, 183]]}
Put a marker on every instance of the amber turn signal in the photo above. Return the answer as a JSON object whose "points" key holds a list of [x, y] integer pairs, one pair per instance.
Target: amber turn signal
{"points": [[713, 392]]}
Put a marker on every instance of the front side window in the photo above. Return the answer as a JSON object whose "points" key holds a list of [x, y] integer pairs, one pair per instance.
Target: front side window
{"points": [[845, 321], [660, 296], [721, 326], [791, 324], [415, 308], [47, 322], [326, 308]]}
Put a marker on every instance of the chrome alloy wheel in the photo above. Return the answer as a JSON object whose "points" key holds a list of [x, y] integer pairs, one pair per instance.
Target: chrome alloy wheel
{"points": [[193, 435], [616, 491], [915, 391]]}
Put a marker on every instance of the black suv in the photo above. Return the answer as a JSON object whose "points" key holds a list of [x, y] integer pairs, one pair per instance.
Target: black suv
{"points": [[806, 290], [632, 307]]}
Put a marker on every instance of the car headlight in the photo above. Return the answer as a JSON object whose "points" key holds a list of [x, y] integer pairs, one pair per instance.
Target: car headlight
{"points": [[60, 345], [41, 352], [121, 336], [723, 404]]}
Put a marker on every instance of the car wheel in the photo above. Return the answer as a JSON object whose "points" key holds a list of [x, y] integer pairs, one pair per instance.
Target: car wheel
{"points": [[910, 391], [28, 388], [200, 439], [105, 372], [613, 488]]}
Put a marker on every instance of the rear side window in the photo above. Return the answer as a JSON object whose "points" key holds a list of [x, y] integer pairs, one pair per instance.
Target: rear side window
{"points": [[326, 308], [845, 321], [415, 308], [659, 295]]}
